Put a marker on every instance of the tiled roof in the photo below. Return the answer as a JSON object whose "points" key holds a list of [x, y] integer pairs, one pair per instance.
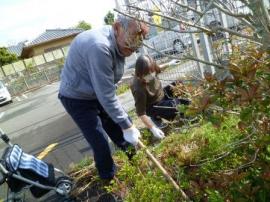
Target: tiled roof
{"points": [[16, 49], [51, 34]]}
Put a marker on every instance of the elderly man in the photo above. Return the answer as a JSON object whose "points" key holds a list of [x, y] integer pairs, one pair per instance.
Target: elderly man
{"points": [[95, 63]]}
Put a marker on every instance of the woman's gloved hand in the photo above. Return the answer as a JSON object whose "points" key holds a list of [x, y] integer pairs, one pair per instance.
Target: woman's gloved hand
{"points": [[157, 132], [132, 135]]}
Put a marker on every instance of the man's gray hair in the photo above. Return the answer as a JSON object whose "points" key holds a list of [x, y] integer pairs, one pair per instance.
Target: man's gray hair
{"points": [[124, 20]]}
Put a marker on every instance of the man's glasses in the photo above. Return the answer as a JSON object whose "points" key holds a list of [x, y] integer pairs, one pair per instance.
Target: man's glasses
{"points": [[134, 40]]}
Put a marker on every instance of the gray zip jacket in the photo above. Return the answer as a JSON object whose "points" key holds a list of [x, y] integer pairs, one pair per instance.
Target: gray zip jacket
{"points": [[92, 68]]}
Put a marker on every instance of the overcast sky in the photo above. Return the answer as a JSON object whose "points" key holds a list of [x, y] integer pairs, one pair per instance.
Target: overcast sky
{"points": [[26, 19]]}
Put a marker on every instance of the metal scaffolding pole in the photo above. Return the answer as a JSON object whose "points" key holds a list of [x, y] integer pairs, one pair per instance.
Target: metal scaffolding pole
{"points": [[196, 49], [204, 41]]}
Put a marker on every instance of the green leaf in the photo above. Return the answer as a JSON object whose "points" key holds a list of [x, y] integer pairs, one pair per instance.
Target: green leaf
{"points": [[268, 149], [246, 114]]}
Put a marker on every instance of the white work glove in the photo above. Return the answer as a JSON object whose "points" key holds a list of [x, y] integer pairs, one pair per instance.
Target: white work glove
{"points": [[157, 132], [132, 135]]}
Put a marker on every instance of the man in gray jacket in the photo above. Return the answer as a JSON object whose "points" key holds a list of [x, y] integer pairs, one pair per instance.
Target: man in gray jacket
{"points": [[95, 63]]}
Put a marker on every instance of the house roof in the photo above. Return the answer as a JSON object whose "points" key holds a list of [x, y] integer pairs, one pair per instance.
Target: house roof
{"points": [[52, 34], [49, 35], [16, 49]]}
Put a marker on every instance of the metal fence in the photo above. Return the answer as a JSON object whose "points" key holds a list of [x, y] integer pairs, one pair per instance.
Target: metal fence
{"points": [[166, 45], [175, 43], [22, 84], [32, 73]]}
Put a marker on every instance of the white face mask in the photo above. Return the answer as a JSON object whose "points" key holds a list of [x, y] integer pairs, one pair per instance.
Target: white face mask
{"points": [[149, 77]]}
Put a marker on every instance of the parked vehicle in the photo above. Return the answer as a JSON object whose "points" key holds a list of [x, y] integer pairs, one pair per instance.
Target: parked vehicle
{"points": [[169, 42], [5, 96]]}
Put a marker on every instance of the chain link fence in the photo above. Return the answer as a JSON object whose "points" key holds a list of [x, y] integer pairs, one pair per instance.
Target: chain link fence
{"points": [[165, 46], [170, 38], [32, 73], [20, 84]]}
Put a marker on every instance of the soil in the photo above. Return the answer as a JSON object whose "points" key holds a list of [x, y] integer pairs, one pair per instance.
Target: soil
{"points": [[97, 193]]}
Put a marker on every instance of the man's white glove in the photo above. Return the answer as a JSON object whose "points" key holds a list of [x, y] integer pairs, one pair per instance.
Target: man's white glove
{"points": [[132, 135], [157, 132]]}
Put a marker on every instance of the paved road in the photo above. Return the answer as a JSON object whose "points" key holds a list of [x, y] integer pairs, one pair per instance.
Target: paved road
{"points": [[40, 120]]}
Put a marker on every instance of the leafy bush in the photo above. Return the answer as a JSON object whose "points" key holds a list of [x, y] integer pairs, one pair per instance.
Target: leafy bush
{"points": [[209, 164]]}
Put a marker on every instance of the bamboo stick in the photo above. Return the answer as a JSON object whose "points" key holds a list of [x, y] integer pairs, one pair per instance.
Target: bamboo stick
{"points": [[164, 172]]}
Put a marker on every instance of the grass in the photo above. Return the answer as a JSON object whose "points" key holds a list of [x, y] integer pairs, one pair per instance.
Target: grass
{"points": [[122, 89], [132, 114], [197, 160], [82, 164]]}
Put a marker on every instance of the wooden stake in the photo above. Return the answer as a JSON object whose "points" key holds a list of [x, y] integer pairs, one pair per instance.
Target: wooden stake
{"points": [[164, 172]]}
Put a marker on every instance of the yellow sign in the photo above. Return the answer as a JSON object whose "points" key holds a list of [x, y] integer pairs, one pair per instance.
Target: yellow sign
{"points": [[156, 18]]}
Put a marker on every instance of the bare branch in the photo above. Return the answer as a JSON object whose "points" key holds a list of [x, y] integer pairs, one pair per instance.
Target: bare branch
{"points": [[244, 165], [228, 12], [265, 13], [206, 9], [241, 141], [265, 19], [204, 62], [250, 56], [235, 145], [205, 161], [186, 57], [222, 110], [225, 7], [245, 2], [152, 24], [207, 30], [160, 3], [172, 19], [240, 17], [187, 7], [236, 34]]}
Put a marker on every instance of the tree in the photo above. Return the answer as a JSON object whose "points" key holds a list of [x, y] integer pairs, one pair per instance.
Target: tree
{"points": [[109, 18], [240, 80], [84, 25], [243, 91], [6, 57], [194, 16]]}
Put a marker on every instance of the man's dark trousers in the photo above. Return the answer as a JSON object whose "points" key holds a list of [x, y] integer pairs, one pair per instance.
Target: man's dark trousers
{"points": [[94, 123]]}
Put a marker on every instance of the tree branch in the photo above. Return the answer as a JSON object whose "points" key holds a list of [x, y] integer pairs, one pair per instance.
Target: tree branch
{"points": [[206, 9], [265, 13], [244, 165], [241, 141], [228, 12], [215, 29], [173, 19], [238, 16], [204, 29], [245, 2], [155, 25], [220, 109], [186, 57], [235, 145], [207, 160], [187, 7]]}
